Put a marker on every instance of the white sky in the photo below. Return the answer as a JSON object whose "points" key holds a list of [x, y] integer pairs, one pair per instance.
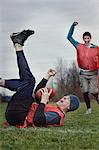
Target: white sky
{"points": [[51, 20]]}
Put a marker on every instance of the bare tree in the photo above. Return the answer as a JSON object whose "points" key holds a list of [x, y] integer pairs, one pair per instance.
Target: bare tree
{"points": [[73, 85], [61, 76], [67, 79]]}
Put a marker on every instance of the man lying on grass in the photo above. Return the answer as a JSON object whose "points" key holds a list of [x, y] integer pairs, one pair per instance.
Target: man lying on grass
{"points": [[21, 111]]}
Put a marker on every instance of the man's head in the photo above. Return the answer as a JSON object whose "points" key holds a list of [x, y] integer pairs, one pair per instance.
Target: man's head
{"points": [[87, 38], [68, 103]]}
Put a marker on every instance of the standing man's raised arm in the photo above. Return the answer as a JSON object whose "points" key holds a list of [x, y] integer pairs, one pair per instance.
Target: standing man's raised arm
{"points": [[70, 33]]}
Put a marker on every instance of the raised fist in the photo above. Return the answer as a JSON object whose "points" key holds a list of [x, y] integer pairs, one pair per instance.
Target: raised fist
{"points": [[75, 23]]}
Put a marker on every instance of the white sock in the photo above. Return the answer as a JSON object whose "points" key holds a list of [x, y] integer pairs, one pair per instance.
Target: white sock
{"points": [[18, 47]]}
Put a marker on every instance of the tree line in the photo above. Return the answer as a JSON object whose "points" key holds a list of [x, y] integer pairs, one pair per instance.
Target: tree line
{"points": [[66, 80]]}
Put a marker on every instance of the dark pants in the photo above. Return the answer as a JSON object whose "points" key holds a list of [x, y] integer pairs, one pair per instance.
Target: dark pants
{"points": [[21, 101]]}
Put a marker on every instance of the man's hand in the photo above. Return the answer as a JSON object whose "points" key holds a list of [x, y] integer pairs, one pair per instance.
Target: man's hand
{"points": [[75, 23], [45, 95], [50, 73]]}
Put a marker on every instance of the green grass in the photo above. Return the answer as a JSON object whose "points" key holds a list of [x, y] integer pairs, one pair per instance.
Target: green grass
{"points": [[79, 132]]}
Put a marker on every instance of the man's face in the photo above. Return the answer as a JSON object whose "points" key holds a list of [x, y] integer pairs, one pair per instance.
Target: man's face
{"points": [[64, 103], [87, 39]]}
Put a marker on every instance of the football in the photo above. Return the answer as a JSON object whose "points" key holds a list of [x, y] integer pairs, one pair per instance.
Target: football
{"points": [[38, 94]]}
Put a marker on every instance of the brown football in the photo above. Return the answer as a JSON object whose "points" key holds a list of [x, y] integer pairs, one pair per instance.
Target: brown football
{"points": [[38, 94]]}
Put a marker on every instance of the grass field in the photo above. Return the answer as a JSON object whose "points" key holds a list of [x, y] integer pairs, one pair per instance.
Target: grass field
{"points": [[79, 132]]}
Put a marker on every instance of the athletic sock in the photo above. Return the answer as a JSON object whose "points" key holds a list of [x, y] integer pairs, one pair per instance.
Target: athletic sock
{"points": [[18, 47]]}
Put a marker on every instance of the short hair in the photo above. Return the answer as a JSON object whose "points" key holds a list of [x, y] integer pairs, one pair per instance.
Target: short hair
{"points": [[87, 34]]}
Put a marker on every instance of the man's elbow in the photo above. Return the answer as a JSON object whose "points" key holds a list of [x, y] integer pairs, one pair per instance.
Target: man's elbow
{"points": [[39, 121], [68, 37], [36, 122]]}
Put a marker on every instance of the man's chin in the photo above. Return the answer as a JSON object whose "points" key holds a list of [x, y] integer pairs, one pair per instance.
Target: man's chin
{"points": [[87, 43]]}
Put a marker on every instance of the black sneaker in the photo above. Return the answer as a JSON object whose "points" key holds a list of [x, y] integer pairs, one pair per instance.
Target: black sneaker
{"points": [[20, 37]]}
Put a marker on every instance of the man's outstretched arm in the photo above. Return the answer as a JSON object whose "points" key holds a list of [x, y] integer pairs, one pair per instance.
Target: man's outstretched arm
{"points": [[70, 33], [43, 82]]}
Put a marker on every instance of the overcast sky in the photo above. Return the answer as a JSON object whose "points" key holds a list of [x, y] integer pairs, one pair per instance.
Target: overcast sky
{"points": [[51, 20]]}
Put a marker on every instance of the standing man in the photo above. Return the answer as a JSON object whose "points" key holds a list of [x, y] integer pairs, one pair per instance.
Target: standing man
{"points": [[86, 58]]}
